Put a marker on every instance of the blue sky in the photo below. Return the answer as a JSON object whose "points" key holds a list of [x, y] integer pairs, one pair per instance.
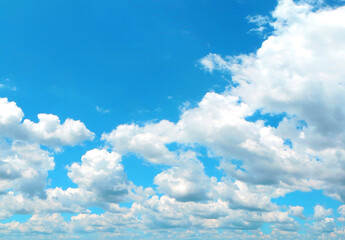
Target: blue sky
{"points": [[172, 119]]}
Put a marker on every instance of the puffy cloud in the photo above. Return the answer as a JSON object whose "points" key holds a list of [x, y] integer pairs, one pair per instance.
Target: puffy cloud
{"points": [[296, 71], [246, 196], [148, 141], [102, 173], [106, 222], [38, 224], [101, 181], [24, 167], [166, 212], [213, 62], [48, 131], [320, 212], [9, 113], [297, 211], [10, 118], [326, 225], [185, 182]]}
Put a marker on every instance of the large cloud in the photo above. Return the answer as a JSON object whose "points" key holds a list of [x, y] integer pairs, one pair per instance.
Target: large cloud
{"points": [[296, 71], [24, 163]]}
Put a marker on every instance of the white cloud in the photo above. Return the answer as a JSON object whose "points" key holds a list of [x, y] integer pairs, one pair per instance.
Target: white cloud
{"points": [[297, 211], [24, 167], [10, 117], [326, 225], [186, 181], [240, 195], [320, 212], [296, 71], [213, 62], [148, 142], [48, 131], [101, 173]]}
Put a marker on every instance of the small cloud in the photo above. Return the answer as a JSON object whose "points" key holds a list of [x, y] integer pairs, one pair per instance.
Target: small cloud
{"points": [[297, 211], [102, 110], [214, 62], [169, 97]]}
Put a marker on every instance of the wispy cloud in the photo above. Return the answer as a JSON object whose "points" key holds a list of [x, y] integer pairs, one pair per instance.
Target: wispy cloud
{"points": [[261, 22], [7, 84], [102, 110]]}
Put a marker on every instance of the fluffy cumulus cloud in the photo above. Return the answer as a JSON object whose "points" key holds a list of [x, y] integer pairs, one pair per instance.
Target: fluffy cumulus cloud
{"points": [[320, 212], [102, 173], [48, 131], [26, 156], [148, 141], [297, 72], [24, 167], [186, 181]]}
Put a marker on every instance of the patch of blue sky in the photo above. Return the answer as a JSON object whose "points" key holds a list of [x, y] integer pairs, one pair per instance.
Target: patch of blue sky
{"points": [[21, 218], [288, 143], [238, 164], [139, 171], [210, 162], [301, 124], [67, 216], [118, 71], [266, 228], [307, 200], [96, 210], [127, 204], [270, 119]]}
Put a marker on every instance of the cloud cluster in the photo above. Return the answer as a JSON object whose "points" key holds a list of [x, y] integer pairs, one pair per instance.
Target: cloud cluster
{"points": [[297, 72], [24, 159]]}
